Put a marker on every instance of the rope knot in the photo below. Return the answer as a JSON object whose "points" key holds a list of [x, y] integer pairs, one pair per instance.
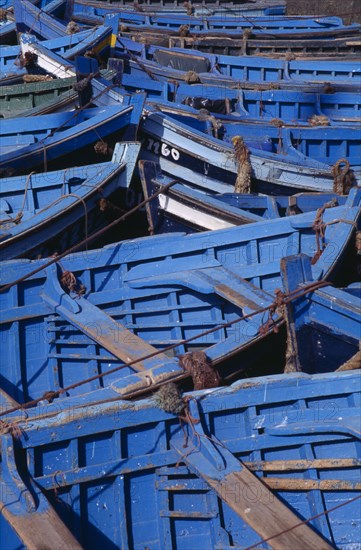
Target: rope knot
{"points": [[81, 85], [102, 148], [204, 376], [191, 77], [276, 306], [343, 177], [319, 120], [11, 428], [168, 398], [277, 122], [50, 396], [290, 56], [69, 282], [72, 28]]}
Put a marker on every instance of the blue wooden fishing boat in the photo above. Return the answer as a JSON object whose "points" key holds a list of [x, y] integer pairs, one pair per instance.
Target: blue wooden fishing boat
{"points": [[183, 207], [249, 45], [250, 105], [13, 66], [47, 140], [253, 461], [128, 311], [270, 27], [237, 71], [291, 106], [28, 17], [7, 27], [46, 213], [18, 99], [266, 159], [99, 8], [55, 8]]}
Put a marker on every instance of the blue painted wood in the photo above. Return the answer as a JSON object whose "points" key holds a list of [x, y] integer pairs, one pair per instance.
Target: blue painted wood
{"points": [[166, 289], [232, 26], [118, 459], [8, 27], [29, 17], [185, 207], [48, 138], [96, 10], [238, 71], [284, 160], [326, 49], [67, 46], [46, 213], [246, 68]]}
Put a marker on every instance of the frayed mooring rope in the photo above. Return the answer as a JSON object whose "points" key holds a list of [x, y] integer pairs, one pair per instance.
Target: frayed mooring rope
{"points": [[169, 399], [343, 177], [241, 153]]}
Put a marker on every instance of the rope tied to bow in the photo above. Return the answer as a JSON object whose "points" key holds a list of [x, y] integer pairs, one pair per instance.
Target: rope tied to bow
{"points": [[244, 171], [343, 177], [168, 398]]}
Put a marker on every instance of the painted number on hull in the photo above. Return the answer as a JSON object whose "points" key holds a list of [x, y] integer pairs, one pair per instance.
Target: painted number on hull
{"points": [[162, 148]]}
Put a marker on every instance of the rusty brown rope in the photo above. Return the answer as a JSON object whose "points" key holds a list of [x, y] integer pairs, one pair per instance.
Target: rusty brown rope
{"points": [[320, 227], [343, 177]]}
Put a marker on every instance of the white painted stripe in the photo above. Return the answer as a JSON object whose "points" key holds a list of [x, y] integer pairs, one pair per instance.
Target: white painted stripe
{"points": [[186, 213]]}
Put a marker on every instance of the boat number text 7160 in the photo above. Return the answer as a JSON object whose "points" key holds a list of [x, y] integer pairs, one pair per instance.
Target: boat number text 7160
{"points": [[159, 148]]}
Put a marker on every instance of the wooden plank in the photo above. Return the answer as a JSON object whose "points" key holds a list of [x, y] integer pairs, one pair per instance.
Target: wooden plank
{"points": [[320, 463], [100, 327], [42, 530], [245, 493]]}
